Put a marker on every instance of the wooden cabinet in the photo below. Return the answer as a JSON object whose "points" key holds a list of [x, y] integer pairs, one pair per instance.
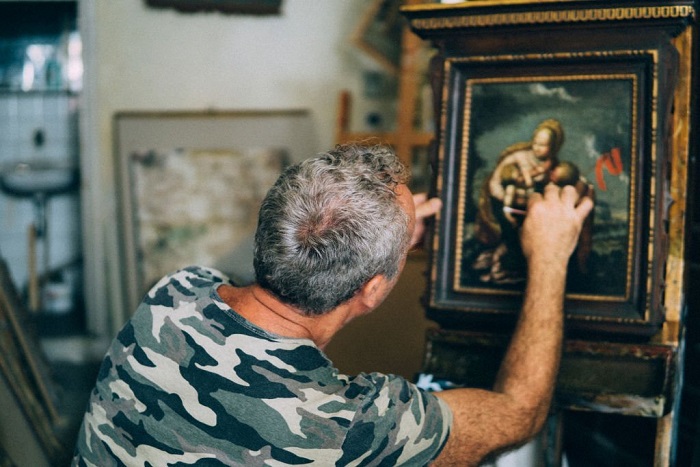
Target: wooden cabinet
{"points": [[611, 81]]}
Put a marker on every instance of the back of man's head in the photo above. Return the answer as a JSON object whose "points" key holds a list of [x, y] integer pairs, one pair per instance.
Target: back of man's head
{"points": [[330, 224]]}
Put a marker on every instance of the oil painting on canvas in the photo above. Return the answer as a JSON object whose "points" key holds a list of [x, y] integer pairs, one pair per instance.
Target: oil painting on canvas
{"points": [[521, 134], [193, 206]]}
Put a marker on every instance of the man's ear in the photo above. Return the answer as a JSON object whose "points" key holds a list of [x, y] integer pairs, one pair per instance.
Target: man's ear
{"points": [[374, 291]]}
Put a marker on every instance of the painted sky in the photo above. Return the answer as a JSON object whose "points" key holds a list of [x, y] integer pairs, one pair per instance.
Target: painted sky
{"points": [[596, 115]]}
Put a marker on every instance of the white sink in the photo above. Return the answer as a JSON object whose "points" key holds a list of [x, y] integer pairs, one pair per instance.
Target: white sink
{"points": [[37, 177]]}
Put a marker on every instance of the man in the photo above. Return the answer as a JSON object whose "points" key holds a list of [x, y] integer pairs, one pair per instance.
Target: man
{"points": [[206, 373]]}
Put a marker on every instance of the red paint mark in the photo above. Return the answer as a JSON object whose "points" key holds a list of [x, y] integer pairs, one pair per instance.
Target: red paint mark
{"points": [[610, 161]]}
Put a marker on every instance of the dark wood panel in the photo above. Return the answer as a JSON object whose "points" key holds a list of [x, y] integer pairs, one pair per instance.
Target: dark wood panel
{"points": [[609, 377]]}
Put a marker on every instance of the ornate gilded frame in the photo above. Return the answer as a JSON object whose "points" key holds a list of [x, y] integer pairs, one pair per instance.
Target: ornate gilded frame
{"points": [[243, 7], [484, 45]]}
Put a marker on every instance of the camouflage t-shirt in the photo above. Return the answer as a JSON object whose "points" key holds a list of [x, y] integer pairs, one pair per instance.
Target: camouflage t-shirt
{"points": [[188, 381]]}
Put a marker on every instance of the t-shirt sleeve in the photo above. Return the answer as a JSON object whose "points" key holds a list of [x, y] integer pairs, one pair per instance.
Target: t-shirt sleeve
{"points": [[396, 423]]}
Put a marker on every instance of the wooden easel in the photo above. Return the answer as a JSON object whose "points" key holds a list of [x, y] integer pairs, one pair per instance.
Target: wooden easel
{"points": [[405, 138]]}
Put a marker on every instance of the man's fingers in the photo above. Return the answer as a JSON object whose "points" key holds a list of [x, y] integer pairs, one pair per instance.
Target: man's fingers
{"points": [[569, 195], [419, 198], [551, 190], [424, 208], [534, 198], [566, 193], [428, 208], [584, 207]]}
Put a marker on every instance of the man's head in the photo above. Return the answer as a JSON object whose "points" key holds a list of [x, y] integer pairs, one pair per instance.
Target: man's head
{"points": [[330, 224]]}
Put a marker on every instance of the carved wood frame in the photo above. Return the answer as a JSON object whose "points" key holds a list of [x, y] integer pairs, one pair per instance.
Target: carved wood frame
{"points": [[460, 33]]}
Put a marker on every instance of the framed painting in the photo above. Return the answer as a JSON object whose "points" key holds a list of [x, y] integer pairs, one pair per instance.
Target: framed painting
{"points": [[25, 370], [379, 33], [190, 186], [250, 7], [587, 119]]}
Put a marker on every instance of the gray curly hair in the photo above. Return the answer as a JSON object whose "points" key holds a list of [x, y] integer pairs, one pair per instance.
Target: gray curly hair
{"points": [[330, 224]]}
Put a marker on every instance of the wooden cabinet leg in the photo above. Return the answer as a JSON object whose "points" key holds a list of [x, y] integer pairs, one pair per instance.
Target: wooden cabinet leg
{"points": [[664, 435]]}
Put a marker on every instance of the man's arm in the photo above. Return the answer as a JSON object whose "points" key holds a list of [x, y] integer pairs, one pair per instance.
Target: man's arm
{"points": [[489, 421]]}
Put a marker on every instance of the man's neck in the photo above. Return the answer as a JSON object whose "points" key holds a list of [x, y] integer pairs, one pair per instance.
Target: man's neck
{"points": [[264, 310]]}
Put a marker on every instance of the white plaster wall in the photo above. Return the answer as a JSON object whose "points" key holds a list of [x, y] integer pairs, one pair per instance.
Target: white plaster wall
{"points": [[161, 59], [138, 58]]}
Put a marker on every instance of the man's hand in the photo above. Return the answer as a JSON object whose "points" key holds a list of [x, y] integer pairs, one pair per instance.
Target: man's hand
{"points": [[424, 208], [551, 228]]}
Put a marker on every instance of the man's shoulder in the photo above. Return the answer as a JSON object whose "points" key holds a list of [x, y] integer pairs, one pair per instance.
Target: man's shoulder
{"points": [[383, 385], [187, 278], [196, 273]]}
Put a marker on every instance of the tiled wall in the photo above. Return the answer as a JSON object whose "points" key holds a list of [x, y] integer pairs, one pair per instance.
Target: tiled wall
{"points": [[40, 80], [22, 116]]}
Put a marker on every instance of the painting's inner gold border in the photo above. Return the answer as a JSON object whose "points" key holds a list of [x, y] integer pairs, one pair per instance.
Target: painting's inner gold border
{"points": [[634, 78]]}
